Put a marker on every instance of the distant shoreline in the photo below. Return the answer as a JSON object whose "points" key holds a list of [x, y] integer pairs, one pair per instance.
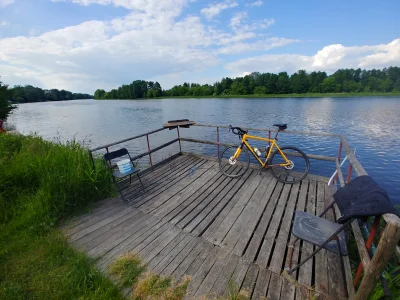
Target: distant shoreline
{"points": [[309, 95]]}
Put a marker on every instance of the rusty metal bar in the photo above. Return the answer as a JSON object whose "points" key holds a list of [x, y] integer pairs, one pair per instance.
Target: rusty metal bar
{"points": [[128, 139], [148, 148], [218, 141], [273, 130], [179, 138], [340, 151], [269, 137], [107, 150], [349, 173], [154, 149]]}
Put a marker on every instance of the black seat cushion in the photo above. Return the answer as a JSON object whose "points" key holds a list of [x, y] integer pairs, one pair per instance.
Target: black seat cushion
{"points": [[362, 197]]}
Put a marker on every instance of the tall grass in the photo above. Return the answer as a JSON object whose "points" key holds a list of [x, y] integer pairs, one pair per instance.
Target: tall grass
{"points": [[42, 183]]}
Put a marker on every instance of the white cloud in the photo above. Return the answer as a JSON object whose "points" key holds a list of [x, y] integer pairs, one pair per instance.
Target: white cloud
{"points": [[4, 3], [238, 22], [215, 9], [256, 3], [261, 45], [329, 59], [4, 24]]}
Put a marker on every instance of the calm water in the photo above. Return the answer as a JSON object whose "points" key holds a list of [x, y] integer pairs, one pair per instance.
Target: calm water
{"points": [[371, 125]]}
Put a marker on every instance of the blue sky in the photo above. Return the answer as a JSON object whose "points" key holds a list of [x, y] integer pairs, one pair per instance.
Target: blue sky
{"points": [[82, 45]]}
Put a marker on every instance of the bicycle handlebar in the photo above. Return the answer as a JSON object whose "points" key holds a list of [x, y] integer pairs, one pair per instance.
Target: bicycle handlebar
{"points": [[237, 130]]}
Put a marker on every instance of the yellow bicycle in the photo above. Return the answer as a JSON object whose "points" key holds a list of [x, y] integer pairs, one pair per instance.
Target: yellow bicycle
{"points": [[235, 160]]}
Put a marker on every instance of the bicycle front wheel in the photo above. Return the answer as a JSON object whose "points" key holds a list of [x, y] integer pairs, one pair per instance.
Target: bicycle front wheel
{"points": [[234, 167], [297, 170]]}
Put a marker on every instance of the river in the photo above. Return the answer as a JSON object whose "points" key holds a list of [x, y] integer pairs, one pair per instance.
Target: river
{"points": [[371, 125]]}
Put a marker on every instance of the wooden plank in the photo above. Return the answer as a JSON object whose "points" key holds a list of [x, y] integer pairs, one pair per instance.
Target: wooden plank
{"points": [[258, 235], [216, 216], [181, 269], [288, 290], [172, 188], [99, 224], [221, 285], [184, 180], [189, 203], [222, 230], [114, 233], [222, 257], [306, 270], [136, 246], [181, 201], [255, 203], [204, 208], [301, 206], [156, 180], [198, 262], [168, 270], [171, 255], [94, 218], [321, 258], [272, 231], [107, 243], [152, 262], [240, 273], [186, 215], [260, 290], [180, 123], [250, 280], [165, 181], [283, 237], [106, 229], [138, 236], [202, 272], [159, 243]]}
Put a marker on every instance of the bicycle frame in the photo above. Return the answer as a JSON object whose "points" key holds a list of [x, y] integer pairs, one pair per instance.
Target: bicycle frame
{"points": [[273, 144]]}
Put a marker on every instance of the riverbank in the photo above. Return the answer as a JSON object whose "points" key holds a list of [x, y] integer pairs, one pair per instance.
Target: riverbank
{"points": [[42, 184], [308, 95]]}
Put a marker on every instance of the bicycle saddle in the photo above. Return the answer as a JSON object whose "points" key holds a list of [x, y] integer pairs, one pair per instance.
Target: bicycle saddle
{"points": [[281, 126]]}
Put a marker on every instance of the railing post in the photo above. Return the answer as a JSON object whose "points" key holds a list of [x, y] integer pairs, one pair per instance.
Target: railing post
{"points": [[107, 150], [386, 247], [218, 141], [349, 173], [148, 148], [179, 137], [269, 137], [91, 158], [340, 151]]}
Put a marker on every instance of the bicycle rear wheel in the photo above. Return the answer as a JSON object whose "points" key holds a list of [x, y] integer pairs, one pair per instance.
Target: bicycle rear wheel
{"points": [[234, 168], [298, 169]]}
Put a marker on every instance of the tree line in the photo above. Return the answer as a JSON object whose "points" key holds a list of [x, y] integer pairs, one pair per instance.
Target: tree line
{"points": [[256, 83], [136, 90], [28, 93]]}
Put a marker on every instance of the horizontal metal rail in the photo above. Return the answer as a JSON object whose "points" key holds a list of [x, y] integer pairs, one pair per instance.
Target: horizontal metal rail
{"points": [[126, 140], [312, 156], [155, 149], [274, 130]]}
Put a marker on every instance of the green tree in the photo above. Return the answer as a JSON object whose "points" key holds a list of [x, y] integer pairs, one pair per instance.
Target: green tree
{"points": [[6, 107], [98, 94], [283, 84]]}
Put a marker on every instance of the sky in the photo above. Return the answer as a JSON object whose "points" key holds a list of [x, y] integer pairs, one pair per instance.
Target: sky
{"points": [[83, 45]]}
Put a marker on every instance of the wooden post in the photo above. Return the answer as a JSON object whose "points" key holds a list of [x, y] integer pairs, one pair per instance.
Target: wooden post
{"points": [[386, 247]]}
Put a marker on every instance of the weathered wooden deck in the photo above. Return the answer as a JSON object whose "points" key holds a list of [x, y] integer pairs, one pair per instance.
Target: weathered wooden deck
{"points": [[192, 220]]}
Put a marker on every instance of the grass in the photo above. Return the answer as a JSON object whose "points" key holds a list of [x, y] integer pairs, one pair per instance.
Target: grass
{"points": [[41, 184], [129, 271]]}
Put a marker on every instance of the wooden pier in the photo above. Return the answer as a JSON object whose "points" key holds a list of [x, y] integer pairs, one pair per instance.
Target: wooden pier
{"points": [[191, 220]]}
